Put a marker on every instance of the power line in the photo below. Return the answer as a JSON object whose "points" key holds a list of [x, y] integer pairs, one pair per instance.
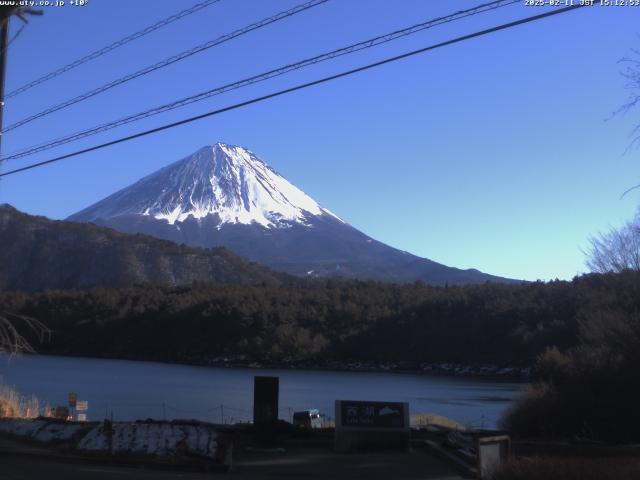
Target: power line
{"points": [[300, 87], [168, 61], [262, 77], [119, 43]]}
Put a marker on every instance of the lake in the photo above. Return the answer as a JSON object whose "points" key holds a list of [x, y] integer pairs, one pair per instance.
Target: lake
{"points": [[137, 390]]}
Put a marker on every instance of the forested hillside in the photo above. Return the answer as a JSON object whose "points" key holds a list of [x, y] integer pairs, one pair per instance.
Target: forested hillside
{"points": [[38, 253], [315, 322]]}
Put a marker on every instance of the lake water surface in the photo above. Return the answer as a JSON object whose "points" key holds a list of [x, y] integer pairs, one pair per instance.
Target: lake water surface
{"points": [[137, 390]]}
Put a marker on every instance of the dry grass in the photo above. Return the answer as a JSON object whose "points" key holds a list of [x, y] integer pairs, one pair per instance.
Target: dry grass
{"points": [[570, 469], [425, 419], [14, 405]]}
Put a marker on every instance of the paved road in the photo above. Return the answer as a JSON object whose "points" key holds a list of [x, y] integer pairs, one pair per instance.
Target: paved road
{"points": [[324, 464], [23, 468], [303, 465], [22, 461]]}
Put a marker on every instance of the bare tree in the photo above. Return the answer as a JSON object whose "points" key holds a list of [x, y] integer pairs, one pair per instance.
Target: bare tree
{"points": [[631, 73], [12, 340], [616, 250], [619, 248]]}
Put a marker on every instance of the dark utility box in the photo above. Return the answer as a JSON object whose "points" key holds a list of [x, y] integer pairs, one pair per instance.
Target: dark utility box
{"points": [[265, 401]]}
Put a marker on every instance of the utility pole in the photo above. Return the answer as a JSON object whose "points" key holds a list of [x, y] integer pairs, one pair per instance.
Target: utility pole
{"points": [[4, 42], [6, 12]]}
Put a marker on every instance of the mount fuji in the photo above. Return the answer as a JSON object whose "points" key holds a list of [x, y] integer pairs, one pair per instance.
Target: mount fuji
{"points": [[224, 195]]}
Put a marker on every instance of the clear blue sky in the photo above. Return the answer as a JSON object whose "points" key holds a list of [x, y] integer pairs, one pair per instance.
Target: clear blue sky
{"points": [[494, 154]]}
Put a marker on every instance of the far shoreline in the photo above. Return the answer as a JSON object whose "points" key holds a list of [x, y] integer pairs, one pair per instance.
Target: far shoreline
{"points": [[507, 374]]}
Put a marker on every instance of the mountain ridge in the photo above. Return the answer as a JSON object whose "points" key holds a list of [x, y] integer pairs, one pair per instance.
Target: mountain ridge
{"points": [[38, 253], [224, 195]]}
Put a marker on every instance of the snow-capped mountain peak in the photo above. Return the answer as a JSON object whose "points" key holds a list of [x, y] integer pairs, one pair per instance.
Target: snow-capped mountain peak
{"points": [[222, 180], [224, 195]]}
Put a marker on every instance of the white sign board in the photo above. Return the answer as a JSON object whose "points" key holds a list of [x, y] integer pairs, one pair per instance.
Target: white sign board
{"points": [[363, 425], [82, 405], [82, 417]]}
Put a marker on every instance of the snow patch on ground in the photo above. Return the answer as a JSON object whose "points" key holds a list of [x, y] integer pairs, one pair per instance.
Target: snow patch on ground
{"points": [[55, 432], [40, 430], [159, 439], [142, 438]]}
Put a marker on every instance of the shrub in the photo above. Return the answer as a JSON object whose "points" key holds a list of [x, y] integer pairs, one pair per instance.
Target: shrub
{"points": [[590, 391], [534, 412]]}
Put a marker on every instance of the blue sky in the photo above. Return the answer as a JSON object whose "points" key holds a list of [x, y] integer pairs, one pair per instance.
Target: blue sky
{"points": [[495, 154]]}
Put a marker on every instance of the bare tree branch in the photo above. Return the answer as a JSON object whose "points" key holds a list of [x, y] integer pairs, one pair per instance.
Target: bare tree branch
{"points": [[11, 340], [616, 250], [631, 73]]}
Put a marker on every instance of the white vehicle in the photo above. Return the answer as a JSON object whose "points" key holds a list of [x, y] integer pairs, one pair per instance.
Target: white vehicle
{"points": [[307, 419]]}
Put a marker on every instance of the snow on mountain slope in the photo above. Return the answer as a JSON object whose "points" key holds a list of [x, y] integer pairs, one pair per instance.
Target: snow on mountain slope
{"points": [[225, 181]]}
